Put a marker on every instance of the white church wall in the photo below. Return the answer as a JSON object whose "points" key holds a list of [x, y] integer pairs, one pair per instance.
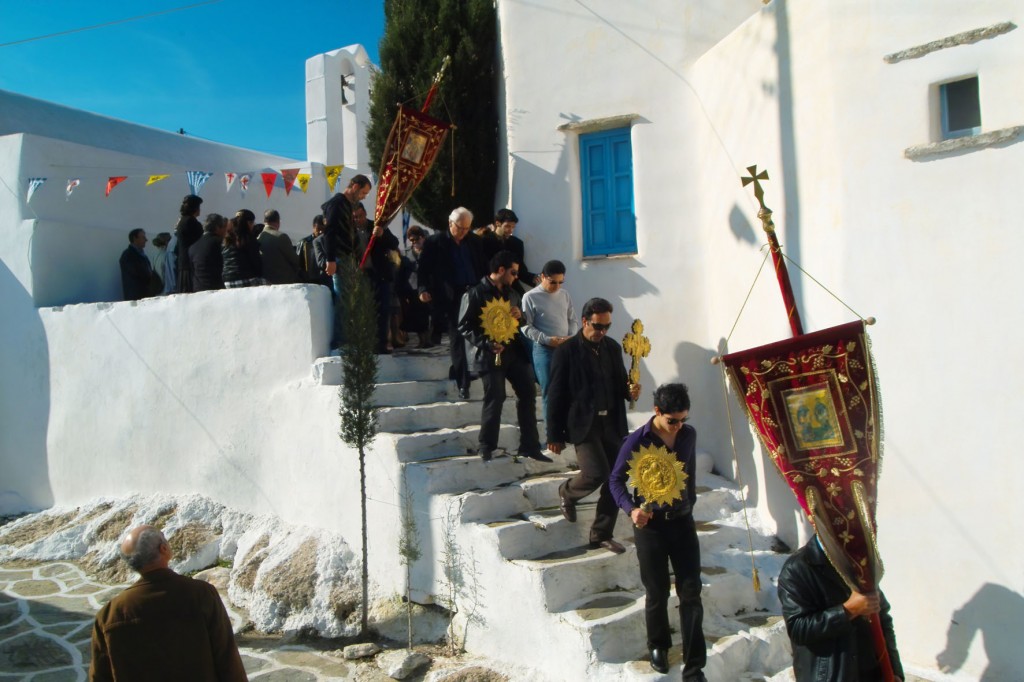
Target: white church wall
{"points": [[803, 91], [335, 124]]}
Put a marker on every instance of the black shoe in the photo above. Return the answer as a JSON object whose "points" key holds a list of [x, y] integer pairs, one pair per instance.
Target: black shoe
{"points": [[486, 455], [659, 660], [537, 455], [609, 544], [699, 677], [464, 393], [567, 506]]}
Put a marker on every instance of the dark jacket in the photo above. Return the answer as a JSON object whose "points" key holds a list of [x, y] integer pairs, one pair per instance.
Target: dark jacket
{"points": [[280, 262], [207, 263], [827, 645], [437, 266], [165, 627], [478, 345], [188, 231], [492, 244], [379, 266], [242, 262], [571, 389], [136, 274], [339, 234]]}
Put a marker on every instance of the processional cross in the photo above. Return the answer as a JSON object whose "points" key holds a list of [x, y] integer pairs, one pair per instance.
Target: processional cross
{"points": [[638, 346]]}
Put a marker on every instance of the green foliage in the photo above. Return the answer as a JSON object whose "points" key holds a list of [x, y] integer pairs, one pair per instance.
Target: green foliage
{"points": [[417, 36], [358, 359]]}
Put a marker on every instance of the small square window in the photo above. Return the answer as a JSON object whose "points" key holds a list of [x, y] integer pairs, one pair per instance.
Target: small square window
{"points": [[961, 108]]}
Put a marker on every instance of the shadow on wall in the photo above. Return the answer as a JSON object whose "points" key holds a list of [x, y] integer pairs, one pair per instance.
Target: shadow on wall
{"points": [[24, 400], [998, 613]]}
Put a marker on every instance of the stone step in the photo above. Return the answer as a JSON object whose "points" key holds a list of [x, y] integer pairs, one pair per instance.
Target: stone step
{"points": [[327, 371], [612, 623], [570, 574], [544, 531], [445, 414], [443, 443], [468, 472]]}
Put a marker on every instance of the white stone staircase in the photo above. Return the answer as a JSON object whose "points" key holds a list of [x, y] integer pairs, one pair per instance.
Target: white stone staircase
{"points": [[531, 590]]}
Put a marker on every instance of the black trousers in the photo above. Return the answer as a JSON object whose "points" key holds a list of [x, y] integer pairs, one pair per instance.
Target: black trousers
{"points": [[657, 544], [595, 456], [519, 372], [449, 311]]}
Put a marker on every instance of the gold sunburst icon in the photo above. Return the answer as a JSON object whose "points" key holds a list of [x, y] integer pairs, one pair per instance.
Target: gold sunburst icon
{"points": [[657, 475], [497, 321]]}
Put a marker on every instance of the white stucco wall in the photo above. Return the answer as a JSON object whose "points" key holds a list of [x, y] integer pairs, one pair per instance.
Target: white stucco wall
{"points": [[335, 131], [802, 90]]}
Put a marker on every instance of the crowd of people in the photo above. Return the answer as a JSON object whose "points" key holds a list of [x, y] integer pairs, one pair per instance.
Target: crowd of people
{"points": [[441, 285]]}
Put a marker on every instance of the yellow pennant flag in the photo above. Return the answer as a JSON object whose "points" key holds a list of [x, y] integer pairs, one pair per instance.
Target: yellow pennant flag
{"points": [[153, 179], [332, 173], [303, 180]]}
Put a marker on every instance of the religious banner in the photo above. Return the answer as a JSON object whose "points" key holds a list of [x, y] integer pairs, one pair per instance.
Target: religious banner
{"points": [[411, 149], [196, 180], [243, 183], [303, 180], [72, 184], [289, 175], [153, 179], [229, 180], [268, 181], [814, 402], [114, 181], [332, 173], [33, 185]]}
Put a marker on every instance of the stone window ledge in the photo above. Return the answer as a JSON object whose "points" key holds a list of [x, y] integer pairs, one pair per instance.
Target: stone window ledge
{"points": [[922, 152], [596, 124]]}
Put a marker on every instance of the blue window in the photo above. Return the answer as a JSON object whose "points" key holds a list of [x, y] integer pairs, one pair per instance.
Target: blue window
{"points": [[961, 109], [606, 175]]}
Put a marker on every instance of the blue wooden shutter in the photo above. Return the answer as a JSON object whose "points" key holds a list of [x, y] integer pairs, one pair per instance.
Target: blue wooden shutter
{"points": [[606, 177]]}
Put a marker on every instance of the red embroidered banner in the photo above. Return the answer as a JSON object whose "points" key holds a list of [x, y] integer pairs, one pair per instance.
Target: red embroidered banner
{"points": [[413, 144], [814, 402]]}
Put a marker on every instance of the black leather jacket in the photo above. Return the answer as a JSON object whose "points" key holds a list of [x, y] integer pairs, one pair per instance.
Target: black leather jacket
{"points": [[478, 346], [827, 645]]}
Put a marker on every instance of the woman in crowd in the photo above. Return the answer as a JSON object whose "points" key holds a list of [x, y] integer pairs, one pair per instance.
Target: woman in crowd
{"points": [[207, 261], [243, 266], [187, 231]]}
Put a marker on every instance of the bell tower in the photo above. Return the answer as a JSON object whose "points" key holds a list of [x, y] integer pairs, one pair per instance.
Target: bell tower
{"points": [[338, 107]]}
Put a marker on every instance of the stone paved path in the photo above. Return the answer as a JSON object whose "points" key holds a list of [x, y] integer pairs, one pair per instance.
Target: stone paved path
{"points": [[46, 614]]}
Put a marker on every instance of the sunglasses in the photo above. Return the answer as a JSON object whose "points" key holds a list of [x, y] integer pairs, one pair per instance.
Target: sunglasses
{"points": [[598, 327], [672, 421]]}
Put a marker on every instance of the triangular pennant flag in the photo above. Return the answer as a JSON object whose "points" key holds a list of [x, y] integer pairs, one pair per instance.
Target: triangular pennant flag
{"points": [[196, 180], [332, 173], [243, 182], [229, 179], [289, 179], [72, 184], [113, 181], [153, 179], [268, 181], [33, 185], [303, 180]]}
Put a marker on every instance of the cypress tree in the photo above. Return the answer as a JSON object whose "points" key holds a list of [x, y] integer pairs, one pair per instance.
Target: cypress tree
{"points": [[417, 36]]}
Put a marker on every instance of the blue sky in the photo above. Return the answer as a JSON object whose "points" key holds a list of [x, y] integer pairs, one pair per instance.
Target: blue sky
{"points": [[232, 71]]}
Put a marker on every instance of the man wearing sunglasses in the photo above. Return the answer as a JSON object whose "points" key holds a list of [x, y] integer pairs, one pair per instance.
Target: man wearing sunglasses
{"points": [[666, 533], [586, 407], [549, 321]]}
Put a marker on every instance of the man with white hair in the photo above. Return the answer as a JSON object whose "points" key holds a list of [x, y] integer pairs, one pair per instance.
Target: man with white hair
{"points": [[164, 627], [452, 261]]}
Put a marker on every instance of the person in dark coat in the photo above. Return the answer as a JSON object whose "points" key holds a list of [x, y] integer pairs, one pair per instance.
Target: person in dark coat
{"points": [[312, 272], [415, 313], [587, 391], [136, 270], [452, 262], [165, 627], [515, 366], [243, 266], [828, 623], [339, 232], [205, 254], [280, 262], [187, 231], [500, 238], [379, 268]]}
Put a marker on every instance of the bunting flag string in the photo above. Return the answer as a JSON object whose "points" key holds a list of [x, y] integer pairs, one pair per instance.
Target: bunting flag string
{"points": [[243, 183], [268, 181], [303, 180], [196, 180], [289, 176], [332, 173], [229, 179], [33, 185], [72, 184], [113, 181], [153, 179]]}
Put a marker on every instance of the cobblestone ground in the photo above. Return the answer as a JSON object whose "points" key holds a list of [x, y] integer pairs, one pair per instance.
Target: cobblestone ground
{"points": [[46, 615]]}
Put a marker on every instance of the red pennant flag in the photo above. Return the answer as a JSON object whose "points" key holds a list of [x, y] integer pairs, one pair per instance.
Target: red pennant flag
{"points": [[268, 181], [114, 181], [289, 176]]}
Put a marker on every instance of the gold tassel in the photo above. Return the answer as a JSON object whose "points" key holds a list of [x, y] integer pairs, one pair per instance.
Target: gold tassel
{"points": [[757, 582]]}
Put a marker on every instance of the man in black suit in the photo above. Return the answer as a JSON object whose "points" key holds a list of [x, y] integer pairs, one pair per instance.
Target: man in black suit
{"points": [[585, 407], [500, 238], [452, 261], [136, 270]]}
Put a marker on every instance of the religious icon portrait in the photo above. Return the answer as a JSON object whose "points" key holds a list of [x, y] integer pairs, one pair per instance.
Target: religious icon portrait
{"points": [[415, 145], [813, 415]]}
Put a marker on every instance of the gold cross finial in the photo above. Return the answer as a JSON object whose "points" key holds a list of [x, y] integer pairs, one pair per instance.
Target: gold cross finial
{"points": [[638, 346], [755, 177]]}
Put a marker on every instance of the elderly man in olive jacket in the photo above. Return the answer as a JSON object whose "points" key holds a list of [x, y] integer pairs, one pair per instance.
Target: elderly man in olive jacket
{"points": [[165, 626]]}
